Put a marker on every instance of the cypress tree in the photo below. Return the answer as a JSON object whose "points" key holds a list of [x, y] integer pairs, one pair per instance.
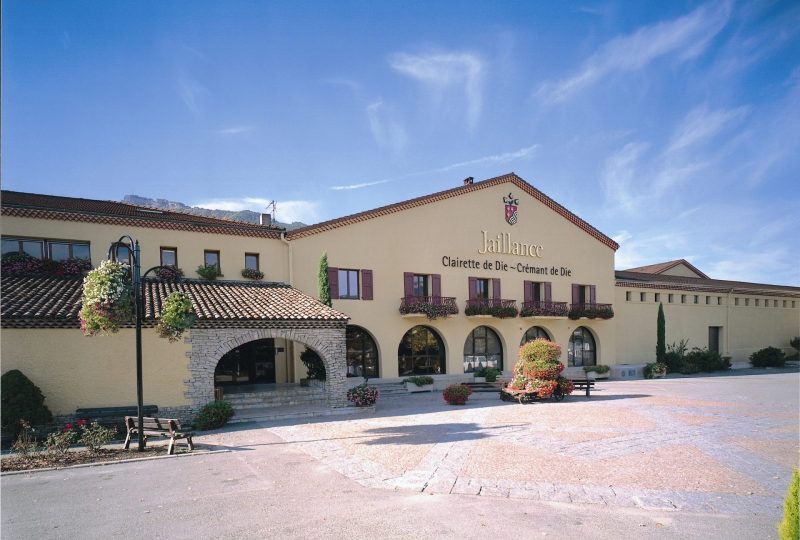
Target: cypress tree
{"points": [[661, 346], [323, 284]]}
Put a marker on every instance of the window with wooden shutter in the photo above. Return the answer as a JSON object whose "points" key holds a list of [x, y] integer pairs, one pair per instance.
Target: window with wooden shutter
{"points": [[333, 282], [436, 285], [548, 291], [473, 288], [408, 284], [527, 291], [496, 289], [592, 294], [366, 284], [576, 294]]}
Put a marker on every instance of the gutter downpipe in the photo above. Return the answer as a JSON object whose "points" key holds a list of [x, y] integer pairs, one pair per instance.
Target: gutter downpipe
{"points": [[290, 257], [727, 322]]}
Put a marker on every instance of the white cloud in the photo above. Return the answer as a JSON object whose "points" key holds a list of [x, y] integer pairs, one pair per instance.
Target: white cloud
{"points": [[441, 73], [359, 186], [388, 132], [619, 177], [191, 92], [687, 37], [234, 130], [702, 124], [287, 211]]}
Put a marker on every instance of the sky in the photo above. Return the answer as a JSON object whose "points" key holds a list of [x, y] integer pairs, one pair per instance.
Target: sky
{"points": [[673, 127]]}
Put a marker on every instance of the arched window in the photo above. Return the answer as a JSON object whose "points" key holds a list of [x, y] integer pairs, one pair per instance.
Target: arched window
{"points": [[362, 353], [250, 363], [582, 349], [483, 349], [421, 352], [535, 332]]}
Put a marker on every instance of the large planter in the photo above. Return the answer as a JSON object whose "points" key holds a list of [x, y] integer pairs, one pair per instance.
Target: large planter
{"points": [[413, 388]]}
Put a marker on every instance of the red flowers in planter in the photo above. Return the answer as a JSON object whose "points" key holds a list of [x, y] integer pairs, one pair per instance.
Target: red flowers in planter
{"points": [[457, 394]]}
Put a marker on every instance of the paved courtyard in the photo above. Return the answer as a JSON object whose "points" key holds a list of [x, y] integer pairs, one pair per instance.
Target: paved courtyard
{"points": [[692, 458]]}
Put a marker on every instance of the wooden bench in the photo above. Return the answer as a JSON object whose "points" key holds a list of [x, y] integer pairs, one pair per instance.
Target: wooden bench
{"points": [[164, 427], [583, 383]]}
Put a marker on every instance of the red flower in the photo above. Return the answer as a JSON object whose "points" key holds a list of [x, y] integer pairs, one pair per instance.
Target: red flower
{"points": [[82, 422], [68, 427]]}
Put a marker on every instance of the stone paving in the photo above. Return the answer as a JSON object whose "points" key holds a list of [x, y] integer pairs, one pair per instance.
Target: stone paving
{"points": [[712, 445]]}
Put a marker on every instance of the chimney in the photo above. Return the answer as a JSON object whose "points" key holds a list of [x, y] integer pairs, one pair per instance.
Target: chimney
{"points": [[468, 180], [265, 220]]}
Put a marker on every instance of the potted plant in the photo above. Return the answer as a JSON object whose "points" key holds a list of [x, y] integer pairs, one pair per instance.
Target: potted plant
{"points": [[363, 395], [169, 273], [457, 394], [656, 370], [107, 299], [419, 383], [597, 372], [208, 271], [479, 375], [252, 273], [176, 317]]}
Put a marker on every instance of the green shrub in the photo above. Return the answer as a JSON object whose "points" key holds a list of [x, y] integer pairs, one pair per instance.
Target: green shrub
{"points": [[210, 271], [213, 415], [768, 357], [491, 374], [58, 442], [95, 436], [25, 443], [315, 367], [689, 368], [707, 360], [789, 528], [654, 370], [456, 394], [21, 400], [419, 380], [599, 369]]}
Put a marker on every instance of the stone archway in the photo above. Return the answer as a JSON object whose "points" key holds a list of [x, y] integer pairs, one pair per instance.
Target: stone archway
{"points": [[210, 344]]}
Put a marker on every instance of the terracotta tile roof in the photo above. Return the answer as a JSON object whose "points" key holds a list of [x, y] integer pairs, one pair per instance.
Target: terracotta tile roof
{"points": [[31, 205], [455, 192], [660, 268], [627, 278], [36, 302]]}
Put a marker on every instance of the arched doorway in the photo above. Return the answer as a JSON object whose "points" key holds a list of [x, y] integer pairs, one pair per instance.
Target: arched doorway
{"points": [[582, 348], [421, 352], [362, 353], [483, 349], [250, 363], [535, 332]]}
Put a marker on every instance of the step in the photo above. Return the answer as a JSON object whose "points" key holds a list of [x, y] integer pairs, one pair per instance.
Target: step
{"points": [[295, 411]]}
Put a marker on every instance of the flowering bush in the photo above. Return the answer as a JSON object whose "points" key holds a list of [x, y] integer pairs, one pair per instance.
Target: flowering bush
{"points": [[58, 442], [107, 299], [457, 394], [15, 264], [67, 267], [252, 273], [95, 436], [363, 395], [169, 273], [25, 443], [431, 308], [538, 371], [214, 415], [176, 317]]}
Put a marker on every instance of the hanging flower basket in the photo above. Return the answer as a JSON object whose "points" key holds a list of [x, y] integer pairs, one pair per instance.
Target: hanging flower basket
{"points": [[107, 299], [176, 317]]}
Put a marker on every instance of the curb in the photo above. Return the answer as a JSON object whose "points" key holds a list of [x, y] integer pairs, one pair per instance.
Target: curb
{"points": [[115, 462]]}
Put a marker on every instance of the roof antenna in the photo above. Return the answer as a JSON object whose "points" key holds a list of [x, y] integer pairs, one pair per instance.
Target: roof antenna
{"points": [[274, 205]]}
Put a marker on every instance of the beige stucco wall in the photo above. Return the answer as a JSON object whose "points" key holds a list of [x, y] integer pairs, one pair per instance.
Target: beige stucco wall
{"points": [[76, 371], [415, 240], [745, 329], [273, 258]]}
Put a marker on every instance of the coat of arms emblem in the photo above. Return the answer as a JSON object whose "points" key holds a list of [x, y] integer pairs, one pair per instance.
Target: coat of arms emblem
{"points": [[511, 208]]}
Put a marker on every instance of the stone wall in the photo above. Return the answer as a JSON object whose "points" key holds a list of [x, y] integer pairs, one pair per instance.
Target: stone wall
{"points": [[208, 346]]}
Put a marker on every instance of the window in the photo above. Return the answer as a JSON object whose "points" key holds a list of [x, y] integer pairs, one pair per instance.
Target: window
{"points": [[421, 352], [683, 299], [669, 298], [251, 261], [642, 297], [482, 288], [123, 253], [713, 338], [758, 302], [348, 284], [697, 299], [56, 250], [746, 301], [362, 353], [627, 296], [211, 258], [169, 256], [658, 297], [534, 332], [719, 300], [784, 303], [792, 304], [582, 348], [736, 301], [419, 285], [482, 349], [708, 300]]}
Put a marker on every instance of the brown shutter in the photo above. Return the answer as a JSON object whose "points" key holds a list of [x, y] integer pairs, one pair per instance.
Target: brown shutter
{"points": [[548, 291], [527, 290], [436, 285], [496, 289], [366, 284], [592, 294], [473, 288], [576, 294], [408, 284], [333, 282]]}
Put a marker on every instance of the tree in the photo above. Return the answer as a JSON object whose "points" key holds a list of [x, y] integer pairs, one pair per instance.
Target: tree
{"points": [[324, 286], [661, 346], [22, 400]]}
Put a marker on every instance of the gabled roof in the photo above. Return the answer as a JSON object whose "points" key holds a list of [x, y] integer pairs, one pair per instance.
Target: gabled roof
{"points": [[660, 268], [450, 193], [54, 302], [628, 278], [32, 205]]}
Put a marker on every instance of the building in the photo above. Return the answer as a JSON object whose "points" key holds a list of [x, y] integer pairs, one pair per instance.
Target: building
{"points": [[441, 284]]}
